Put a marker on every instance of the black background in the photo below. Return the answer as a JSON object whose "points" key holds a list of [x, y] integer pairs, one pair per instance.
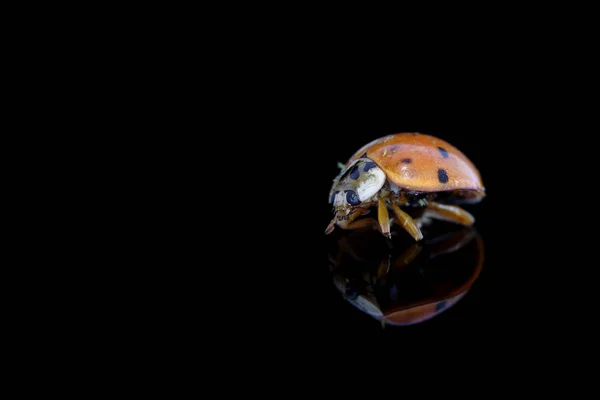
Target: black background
{"points": [[177, 201], [233, 192]]}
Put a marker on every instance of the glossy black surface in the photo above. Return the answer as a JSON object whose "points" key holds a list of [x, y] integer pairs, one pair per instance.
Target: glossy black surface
{"points": [[402, 282], [237, 208]]}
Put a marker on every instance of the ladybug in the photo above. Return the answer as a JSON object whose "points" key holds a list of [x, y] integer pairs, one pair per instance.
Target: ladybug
{"points": [[402, 172]]}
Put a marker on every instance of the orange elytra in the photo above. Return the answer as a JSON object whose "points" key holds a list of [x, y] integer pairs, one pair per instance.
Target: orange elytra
{"points": [[401, 172]]}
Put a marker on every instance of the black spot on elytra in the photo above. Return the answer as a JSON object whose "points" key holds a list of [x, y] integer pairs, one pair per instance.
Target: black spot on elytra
{"points": [[443, 151], [352, 198], [442, 175], [369, 165], [333, 196], [406, 160], [355, 173]]}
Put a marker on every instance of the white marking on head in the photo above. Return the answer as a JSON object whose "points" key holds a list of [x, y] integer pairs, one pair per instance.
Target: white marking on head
{"points": [[371, 182], [340, 199], [354, 185]]}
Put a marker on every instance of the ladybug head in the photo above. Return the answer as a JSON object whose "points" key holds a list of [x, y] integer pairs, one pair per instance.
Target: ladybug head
{"points": [[356, 184]]}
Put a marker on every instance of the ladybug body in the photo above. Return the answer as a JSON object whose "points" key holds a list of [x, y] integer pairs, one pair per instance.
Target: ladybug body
{"points": [[400, 171]]}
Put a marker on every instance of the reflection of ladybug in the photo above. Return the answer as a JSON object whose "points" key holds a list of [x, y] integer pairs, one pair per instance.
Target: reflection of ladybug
{"points": [[408, 284], [417, 314], [405, 170]]}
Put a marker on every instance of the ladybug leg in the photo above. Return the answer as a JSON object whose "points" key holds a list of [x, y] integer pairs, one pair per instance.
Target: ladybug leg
{"points": [[350, 222], [384, 218], [363, 223], [450, 213], [331, 226], [406, 221], [370, 223]]}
